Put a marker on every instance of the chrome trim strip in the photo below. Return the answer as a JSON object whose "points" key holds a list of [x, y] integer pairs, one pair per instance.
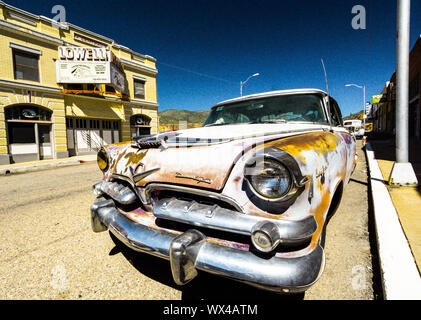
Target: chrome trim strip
{"points": [[115, 190], [121, 177], [205, 193], [188, 142], [141, 175], [278, 274], [215, 217]]}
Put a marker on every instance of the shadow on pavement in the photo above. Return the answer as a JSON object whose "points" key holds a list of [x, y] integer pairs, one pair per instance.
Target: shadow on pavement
{"points": [[204, 287], [358, 181]]}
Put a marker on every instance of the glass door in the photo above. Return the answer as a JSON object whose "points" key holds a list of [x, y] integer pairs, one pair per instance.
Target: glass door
{"points": [[44, 137]]}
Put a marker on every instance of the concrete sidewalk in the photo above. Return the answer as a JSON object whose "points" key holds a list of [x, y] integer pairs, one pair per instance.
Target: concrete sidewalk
{"points": [[397, 213], [44, 164]]}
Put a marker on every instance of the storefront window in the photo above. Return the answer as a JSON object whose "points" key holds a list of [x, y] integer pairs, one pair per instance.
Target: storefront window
{"points": [[21, 132]]}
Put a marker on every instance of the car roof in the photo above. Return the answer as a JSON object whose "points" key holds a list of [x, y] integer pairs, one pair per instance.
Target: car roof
{"points": [[272, 94]]}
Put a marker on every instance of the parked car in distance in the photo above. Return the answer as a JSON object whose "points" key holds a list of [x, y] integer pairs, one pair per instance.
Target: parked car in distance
{"points": [[246, 196], [355, 127]]}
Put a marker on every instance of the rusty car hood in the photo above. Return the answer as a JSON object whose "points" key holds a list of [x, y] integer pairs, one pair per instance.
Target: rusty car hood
{"points": [[200, 157]]}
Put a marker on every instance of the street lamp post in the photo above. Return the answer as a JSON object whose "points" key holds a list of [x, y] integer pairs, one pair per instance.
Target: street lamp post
{"points": [[243, 83], [364, 106]]}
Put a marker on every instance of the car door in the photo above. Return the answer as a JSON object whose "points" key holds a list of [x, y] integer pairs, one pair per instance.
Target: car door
{"points": [[348, 140]]}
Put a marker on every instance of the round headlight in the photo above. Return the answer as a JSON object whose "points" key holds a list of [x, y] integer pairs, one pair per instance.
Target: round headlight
{"points": [[269, 178], [102, 160]]}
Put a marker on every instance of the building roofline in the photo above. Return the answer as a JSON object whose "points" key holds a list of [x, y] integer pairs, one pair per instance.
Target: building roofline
{"points": [[68, 24]]}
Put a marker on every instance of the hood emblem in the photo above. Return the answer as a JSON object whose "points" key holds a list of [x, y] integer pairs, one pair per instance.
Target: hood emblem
{"points": [[140, 173], [196, 178]]}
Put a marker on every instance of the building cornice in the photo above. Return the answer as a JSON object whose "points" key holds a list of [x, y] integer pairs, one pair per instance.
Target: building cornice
{"points": [[134, 53], [28, 32], [21, 18], [91, 33], [24, 85], [20, 11], [142, 103], [29, 18], [138, 66]]}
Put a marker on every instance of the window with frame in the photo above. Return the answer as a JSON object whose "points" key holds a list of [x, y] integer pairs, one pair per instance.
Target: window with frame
{"points": [[26, 65], [139, 88], [335, 114]]}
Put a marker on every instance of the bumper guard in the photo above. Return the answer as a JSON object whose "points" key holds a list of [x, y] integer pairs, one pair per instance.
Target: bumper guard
{"points": [[190, 251]]}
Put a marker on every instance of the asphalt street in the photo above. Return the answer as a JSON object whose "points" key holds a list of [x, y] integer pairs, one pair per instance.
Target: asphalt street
{"points": [[48, 250]]}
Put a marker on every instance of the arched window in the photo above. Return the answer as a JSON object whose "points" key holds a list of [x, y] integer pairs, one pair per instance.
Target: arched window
{"points": [[140, 124], [140, 120], [27, 113], [28, 132]]}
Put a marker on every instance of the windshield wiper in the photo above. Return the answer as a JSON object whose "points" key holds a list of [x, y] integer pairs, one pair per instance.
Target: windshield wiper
{"points": [[268, 121], [216, 124], [252, 122]]}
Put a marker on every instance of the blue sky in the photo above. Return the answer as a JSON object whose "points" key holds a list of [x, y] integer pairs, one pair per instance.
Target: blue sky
{"points": [[205, 48]]}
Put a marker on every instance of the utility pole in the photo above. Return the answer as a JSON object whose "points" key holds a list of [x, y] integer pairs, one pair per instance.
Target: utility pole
{"points": [[402, 172]]}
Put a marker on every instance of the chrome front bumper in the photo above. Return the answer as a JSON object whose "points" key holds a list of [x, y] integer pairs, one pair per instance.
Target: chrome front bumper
{"points": [[190, 251]]}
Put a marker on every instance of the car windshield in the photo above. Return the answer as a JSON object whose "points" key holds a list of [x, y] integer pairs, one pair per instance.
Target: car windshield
{"points": [[285, 108]]}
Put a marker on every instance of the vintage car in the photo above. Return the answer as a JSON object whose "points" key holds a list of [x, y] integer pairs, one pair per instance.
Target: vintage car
{"points": [[355, 127], [246, 196]]}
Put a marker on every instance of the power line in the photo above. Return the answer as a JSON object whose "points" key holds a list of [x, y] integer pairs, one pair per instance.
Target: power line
{"points": [[195, 72]]}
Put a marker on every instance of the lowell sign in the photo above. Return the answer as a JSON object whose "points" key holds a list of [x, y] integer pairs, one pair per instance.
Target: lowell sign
{"points": [[89, 65], [85, 54]]}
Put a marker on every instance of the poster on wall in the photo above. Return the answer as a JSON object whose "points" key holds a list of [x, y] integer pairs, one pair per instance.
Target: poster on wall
{"points": [[117, 78], [83, 65], [86, 72]]}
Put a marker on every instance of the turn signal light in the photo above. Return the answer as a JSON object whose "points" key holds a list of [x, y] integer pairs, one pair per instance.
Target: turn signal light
{"points": [[265, 236]]}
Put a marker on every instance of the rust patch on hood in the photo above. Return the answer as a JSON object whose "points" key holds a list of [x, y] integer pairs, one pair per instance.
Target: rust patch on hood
{"points": [[320, 142], [134, 158]]}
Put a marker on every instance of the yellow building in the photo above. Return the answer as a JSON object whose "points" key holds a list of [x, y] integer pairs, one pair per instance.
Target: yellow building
{"points": [[66, 91]]}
